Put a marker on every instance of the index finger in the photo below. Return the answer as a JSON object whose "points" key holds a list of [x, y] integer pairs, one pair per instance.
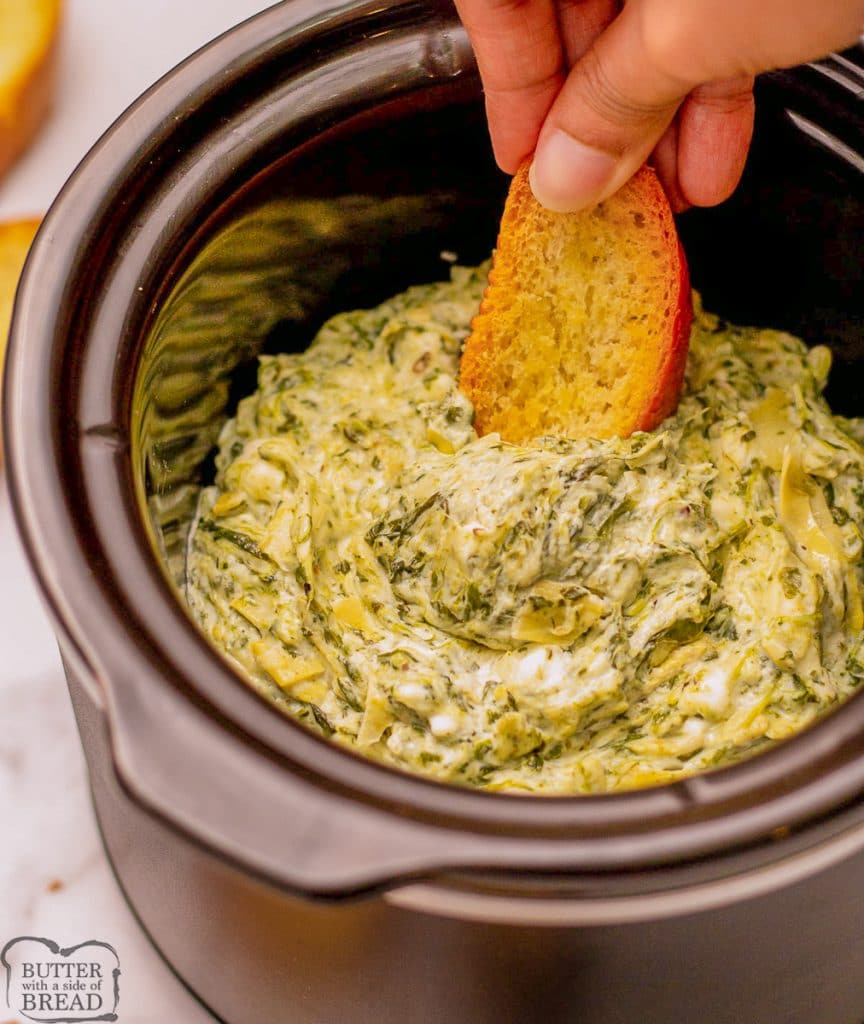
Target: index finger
{"points": [[519, 52]]}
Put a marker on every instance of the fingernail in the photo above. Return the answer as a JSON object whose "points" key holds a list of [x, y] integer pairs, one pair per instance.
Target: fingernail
{"points": [[567, 175]]}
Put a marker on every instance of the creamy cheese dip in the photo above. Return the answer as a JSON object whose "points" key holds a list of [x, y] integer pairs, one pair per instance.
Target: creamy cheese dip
{"points": [[569, 617]]}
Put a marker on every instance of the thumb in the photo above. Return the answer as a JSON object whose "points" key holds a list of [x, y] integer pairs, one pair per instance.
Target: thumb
{"points": [[621, 96]]}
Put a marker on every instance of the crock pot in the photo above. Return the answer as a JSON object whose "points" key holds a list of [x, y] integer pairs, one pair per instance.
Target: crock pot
{"points": [[318, 157]]}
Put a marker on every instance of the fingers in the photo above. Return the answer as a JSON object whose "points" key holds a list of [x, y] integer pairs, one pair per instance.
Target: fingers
{"points": [[523, 50], [608, 117], [715, 129], [518, 48], [581, 22], [622, 95], [664, 160], [706, 40], [702, 153]]}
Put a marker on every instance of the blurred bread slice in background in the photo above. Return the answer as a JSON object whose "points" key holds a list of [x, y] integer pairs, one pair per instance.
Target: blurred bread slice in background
{"points": [[15, 240], [29, 31]]}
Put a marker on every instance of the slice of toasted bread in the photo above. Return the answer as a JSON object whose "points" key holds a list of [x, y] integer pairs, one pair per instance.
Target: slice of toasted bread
{"points": [[584, 326], [15, 240], [28, 58]]}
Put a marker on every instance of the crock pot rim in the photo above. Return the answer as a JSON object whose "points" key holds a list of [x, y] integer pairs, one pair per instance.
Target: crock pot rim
{"points": [[792, 779]]}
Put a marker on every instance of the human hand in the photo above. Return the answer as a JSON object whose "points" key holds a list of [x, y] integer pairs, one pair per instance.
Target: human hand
{"points": [[593, 88]]}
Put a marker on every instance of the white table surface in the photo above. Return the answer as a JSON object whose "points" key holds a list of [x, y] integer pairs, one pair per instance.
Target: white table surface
{"points": [[54, 878]]}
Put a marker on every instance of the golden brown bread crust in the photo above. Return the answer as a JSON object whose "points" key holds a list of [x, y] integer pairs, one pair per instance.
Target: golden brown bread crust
{"points": [[15, 240], [16, 237], [584, 325], [27, 81]]}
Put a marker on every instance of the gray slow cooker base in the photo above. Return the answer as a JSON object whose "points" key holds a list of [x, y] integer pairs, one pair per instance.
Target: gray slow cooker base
{"points": [[142, 925], [251, 952]]}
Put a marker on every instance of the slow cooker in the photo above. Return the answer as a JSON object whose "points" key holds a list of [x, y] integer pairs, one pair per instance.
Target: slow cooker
{"points": [[322, 156]]}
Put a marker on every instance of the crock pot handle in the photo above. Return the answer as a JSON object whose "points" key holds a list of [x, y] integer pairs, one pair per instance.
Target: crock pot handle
{"points": [[223, 791]]}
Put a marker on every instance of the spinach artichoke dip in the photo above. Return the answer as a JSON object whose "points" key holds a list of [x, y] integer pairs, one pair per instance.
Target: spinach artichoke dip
{"points": [[566, 617]]}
